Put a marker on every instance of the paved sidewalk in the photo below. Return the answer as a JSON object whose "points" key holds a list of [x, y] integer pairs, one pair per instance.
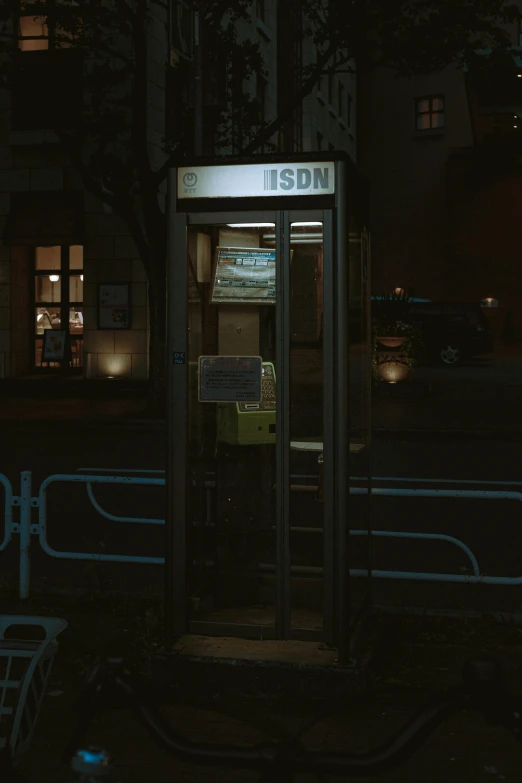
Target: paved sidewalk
{"points": [[418, 659]]}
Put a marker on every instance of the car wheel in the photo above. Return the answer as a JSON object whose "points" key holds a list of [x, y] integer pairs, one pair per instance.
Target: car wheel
{"points": [[451, 355]]}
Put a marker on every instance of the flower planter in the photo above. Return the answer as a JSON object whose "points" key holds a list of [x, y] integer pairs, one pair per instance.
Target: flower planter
{"points": [[392, 372], [391, 342]]}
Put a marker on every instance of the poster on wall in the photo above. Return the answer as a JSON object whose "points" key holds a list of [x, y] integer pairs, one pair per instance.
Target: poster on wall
{"points": [[244, 275], [114, 310], [54, 345]]}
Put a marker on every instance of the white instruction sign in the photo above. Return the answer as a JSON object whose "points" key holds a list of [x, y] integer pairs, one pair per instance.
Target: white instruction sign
{"points": [[230, 378]]}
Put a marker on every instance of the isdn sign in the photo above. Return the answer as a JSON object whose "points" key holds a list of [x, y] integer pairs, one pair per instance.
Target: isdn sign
{"points": [[297, 179]]}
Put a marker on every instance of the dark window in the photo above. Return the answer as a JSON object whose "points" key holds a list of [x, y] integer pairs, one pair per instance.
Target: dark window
{"points": [[260, 9], [48, 87], [349, 110], [340, 99], [47, 91], [331, 146], [261, 85], [320, 140], [182, 28], [429, 112], [330, 88]]}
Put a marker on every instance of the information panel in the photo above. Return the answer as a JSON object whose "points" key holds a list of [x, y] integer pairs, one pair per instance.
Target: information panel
{"points": [[244, 275], [230, 378]]}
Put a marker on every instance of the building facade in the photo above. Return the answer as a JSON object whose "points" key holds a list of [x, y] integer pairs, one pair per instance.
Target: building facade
{"points": [[67, 263], [442, 227]]}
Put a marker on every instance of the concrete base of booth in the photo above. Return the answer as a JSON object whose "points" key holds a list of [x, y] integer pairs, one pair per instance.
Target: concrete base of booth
{"points": [[217, 669]]}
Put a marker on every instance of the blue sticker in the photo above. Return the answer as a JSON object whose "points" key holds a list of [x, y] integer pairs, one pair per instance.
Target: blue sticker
{"points": [[179, 358]]}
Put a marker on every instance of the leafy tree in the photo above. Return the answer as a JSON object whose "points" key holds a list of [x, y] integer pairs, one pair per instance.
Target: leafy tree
{"points": [[109, 144]]}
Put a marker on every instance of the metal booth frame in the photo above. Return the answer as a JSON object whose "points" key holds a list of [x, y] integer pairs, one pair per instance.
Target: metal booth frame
{"points": [[334, 212]]}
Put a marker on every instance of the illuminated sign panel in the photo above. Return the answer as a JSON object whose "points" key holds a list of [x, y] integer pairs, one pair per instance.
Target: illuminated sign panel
{"points": [[248, 181]]}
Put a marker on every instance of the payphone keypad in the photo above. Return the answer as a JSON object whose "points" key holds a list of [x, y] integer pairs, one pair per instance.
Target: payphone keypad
{"points": [[268, 392]]}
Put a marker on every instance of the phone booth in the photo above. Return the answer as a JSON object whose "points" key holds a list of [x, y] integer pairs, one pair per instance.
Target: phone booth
{"points": [[268, 400]]}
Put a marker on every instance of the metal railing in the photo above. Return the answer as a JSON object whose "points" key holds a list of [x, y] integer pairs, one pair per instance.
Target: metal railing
{"points": [[9, 502], [40, 530], [26, 529]]}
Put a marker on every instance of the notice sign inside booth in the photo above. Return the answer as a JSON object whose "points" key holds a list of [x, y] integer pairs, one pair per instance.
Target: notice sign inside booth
{"points": [[244, 275], [230, 378]]}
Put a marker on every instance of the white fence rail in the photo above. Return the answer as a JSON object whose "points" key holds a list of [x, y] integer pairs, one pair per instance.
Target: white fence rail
{"points": [[28, 531]]}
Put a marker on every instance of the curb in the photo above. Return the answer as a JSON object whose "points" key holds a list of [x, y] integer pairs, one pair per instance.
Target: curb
{"points": [[155, 425]]}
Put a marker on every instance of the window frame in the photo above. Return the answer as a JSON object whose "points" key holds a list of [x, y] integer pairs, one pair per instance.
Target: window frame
{"points": [[64, 305], [331, 77], [431, 112], [340, 98], [51, 25]]}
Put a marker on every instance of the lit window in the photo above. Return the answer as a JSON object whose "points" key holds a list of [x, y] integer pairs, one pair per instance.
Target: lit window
{"points": [[33, 33], [33, 30], [429, 112]]}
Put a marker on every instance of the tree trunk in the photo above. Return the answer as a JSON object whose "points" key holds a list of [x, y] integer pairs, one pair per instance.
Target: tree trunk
{"points": [[158, 339]]}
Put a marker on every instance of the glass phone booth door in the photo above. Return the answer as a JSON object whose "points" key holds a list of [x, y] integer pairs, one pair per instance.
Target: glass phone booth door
{"points": [[254, 513]]}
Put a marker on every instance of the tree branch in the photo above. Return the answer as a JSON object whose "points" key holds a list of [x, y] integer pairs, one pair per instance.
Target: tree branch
{"points": [[137, 234], [174, 159], [116, 55], [90, 182], [139, 93], [152, 213], [298, 98]]}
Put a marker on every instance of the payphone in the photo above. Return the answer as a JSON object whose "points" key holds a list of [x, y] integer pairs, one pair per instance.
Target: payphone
{"points": [[242, 296], [250, 423]]}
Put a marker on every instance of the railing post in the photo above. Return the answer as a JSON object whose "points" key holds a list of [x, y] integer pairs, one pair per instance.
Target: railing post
{"points": [[25, 534]]}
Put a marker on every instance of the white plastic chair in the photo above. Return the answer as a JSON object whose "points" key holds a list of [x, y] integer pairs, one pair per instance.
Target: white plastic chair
{"points": [[25, 666]]}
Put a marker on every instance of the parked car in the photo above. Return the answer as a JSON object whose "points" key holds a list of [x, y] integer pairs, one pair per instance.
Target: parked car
{"points": [[452, 332]]}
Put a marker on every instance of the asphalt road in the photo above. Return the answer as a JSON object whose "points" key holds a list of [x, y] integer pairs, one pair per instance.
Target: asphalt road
{"points": [[489, 527]]}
